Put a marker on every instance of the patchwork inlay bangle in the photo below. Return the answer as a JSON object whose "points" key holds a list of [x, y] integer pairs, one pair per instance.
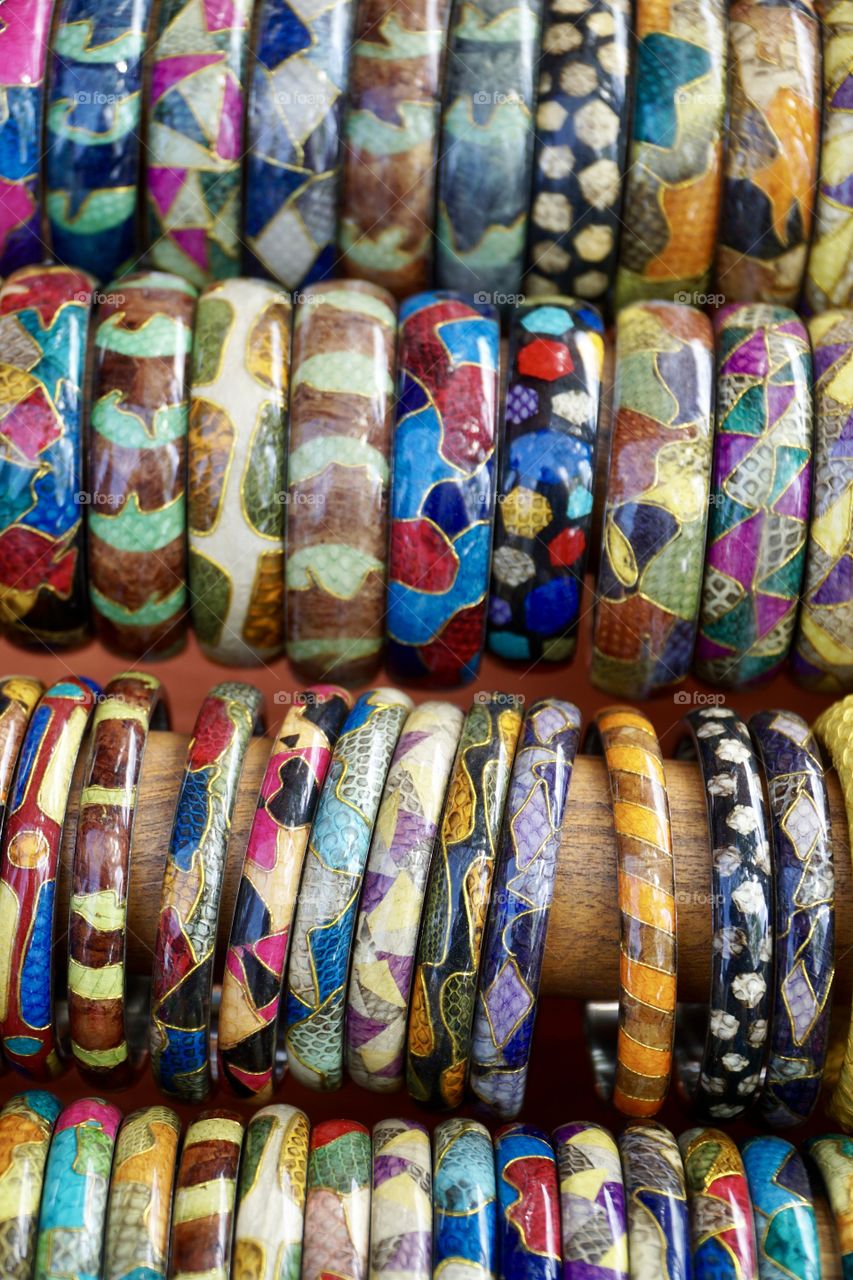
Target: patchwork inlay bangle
{"points": [[592, 1204], [656, 1200], [26, 1125], [653, 543], [528, 1204], [514, 946], [760, 491], [182, 979], [721, 1227], [18, 698], [443, 490], [271, 1195], [140, 1206], [251, 1002], [23, 55], [235, 512], [401, 1202], [337, 1204], [544, 514], [44, 324], [30, 859], [205, 1195], [828, 282], [331, 885], [337, 480], [464, 1200], [386, 933], [832, 1153], [785, 1225], [137, 464]]}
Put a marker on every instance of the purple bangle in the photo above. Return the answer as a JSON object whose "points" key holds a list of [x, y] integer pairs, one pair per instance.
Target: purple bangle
{"points": [[592, 1203]]}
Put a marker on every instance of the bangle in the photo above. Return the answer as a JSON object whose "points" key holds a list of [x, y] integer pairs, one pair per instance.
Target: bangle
{"points": [[137, 460], [30, 858], [44, 323], [337, 477], [650, 571], [182, 980], [721, 1228], [23, 55], [18, 698], [444, 987], [759, 494], [205, 1194], [331, 885], [785, 1225], [337, 1204], [401, 1202], [140, 1205], [528, 1204], [271, 1194], [386, 934], [592, 1204], [656, 1203], [833, 1155], [822, 656], [251, 1001], [443, 491], [130, 705], [544, 518], [521, 898], [828, 282], [464, 1200], [235, 515], [26, 1126]]}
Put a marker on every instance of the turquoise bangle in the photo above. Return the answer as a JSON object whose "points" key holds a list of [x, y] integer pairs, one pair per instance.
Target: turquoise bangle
{"points": [[782, 1200]]}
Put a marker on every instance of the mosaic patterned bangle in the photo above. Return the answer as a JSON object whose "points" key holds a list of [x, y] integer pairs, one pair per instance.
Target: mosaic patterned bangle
{"points": [[23, 55], [464, 1201], [205, 1195], [137, 464], [30, 859], [182, 977], [443, 491], [721, 1228], [656, 1200], [545, 495], [833, 1155], [514, 946], [653, 545], [140, 1206], [579, 157], [271, 1195], [337, 478], [26, 1125], [528, 1204], [828, 282], [74, 1200], [44, 322], [401, 1203], [251, 1002], [240, 364], [782, 1209], [771, 166], [331, 885], [337, 1205], [18, 698], [592, 1204], [759, 495], [386, 933]]}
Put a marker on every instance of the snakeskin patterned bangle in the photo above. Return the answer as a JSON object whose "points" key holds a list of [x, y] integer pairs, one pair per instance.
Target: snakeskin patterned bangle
{"points": [[528, 1204], [26, 1125], [828, 281], [23, 55], [18, 698], [656, 1199], [401, 1203], [140, 1206], [137, 462], [833, 1155], [449, 952], [514, 946], [785, 1225], [653, 547], [44, 322], [443, 491], [30, 859], [182, 979], [545, 494], [759, 495], [331, 885], [592, 1204], [241, 358], [337, 478], [251, 1001], [391, 906], [271, 1195], [721, 1228], [337, 1205], [464, 1201], [205, 1194]]}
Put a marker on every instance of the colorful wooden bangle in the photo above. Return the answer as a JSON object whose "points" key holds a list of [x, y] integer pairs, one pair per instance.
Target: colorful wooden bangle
{"points": [[592, 1204], [30, 859], [653, 544], [331, 885], [337, 1204], [137, 464], [514, 946], [721, 1228], [140, 1206], [832, 1153], [26, 1125], [23, 55], [785, 1226], [389, 918], [443, 491], [235, 509], [271, 1195], [205, 1195], [337, 478], [828, 281], [44, 323], [18, 698], [401, 1202], [528, 1204], [544, 517], [759, 494], [656, 1203], [182, 979], [464, 1201], [251, 1002]]}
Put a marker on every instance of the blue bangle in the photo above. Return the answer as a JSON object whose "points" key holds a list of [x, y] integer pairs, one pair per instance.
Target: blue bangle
{"points": [[656, 1196], [528, 1204], [464, 1199], [781, 1200], [24, 35]]}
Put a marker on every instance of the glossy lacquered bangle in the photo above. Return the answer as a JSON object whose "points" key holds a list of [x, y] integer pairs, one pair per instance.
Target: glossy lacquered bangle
{"points": [[26, 1125], [141, 1186], [251, 1001], [235, 508], [182, 978], [785, 1224], [594, 1230], [136, 525], [656, 1200], [464, 1201], [401, 1202], [18, 698], [443, 490], [528, 1204], [205, 1196], [832, 1153], [271, 1194], [721, 1227], [760, 491], [544, 513], [386, 933], [23, 55], [337, 1203], [521, 896], [828, 281], [337, 480]]}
